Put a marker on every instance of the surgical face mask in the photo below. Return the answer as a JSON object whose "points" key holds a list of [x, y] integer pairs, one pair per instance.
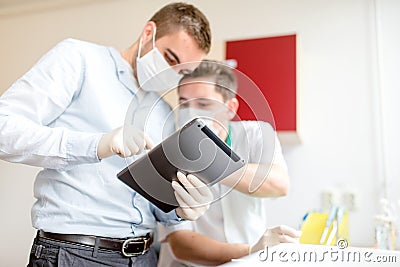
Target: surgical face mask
{"points": [[153, 71], [208, 117]]}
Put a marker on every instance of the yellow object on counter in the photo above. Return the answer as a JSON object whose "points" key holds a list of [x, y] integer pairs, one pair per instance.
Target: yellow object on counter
{"points": [[315, 223]]}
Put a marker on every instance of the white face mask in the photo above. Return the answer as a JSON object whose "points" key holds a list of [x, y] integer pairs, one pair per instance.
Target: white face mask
{"points": [[153, 71], [208, 117]]}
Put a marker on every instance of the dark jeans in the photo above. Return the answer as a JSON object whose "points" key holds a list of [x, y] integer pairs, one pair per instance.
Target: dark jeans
{"points": [[55, 253]]}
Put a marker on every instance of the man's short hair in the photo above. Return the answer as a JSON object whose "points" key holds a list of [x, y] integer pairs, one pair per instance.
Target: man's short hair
{"points": [[177, 16], [225, 79]]}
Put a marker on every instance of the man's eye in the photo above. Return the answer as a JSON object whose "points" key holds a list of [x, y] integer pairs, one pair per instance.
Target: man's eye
{"points": [[171, 61], [183, 104], [203, 105]]}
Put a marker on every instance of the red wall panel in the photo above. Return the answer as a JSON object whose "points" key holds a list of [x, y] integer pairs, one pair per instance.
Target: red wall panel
{"points": [[271, 64]]}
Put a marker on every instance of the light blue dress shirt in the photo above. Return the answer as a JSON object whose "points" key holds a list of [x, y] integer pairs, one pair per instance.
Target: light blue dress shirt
{"points": [[54, 116]]}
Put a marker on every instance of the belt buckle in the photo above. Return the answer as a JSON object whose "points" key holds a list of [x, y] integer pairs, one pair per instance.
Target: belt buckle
{"points": [[132, 241], [38, 251]]}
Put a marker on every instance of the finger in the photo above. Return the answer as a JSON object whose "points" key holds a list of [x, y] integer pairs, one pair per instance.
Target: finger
{"points": [[287, 239], [194, 193], [184, 195], [184, 180], [132, 146], [191, 214], [180, 213], [181, 177], [286, 230], [188, 212], [123, 151], [182, 203], [201, 187], [149, 142], [202, 194], [139, 142]]}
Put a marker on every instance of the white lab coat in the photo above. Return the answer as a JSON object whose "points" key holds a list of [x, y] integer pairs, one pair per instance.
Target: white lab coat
{"points": [[237, 217]]}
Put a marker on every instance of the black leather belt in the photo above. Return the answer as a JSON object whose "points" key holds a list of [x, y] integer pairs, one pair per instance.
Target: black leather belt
{"points": [[129, 247]]}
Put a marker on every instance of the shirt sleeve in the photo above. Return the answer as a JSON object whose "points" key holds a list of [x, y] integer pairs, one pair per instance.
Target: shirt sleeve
{"points": [[278, 156], [36, 100], [267, 148], [163, 218], [164, 230]]}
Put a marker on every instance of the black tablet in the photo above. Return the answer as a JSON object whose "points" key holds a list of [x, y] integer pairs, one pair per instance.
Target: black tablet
{"points": [[193, 149]]}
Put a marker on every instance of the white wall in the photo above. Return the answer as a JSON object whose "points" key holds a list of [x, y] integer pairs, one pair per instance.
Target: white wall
{"points": [[16, 198], [336, 82], [335, 79], [389, 66]]}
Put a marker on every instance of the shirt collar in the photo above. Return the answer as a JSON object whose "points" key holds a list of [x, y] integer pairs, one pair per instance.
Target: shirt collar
{"points": [[124, 71]]}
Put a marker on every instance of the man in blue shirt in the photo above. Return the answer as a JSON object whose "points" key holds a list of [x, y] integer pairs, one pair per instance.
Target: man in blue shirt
{"points": [[67, 115]]}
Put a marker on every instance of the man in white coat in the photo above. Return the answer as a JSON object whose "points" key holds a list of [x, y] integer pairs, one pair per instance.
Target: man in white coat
{"points": [[235, 225]]}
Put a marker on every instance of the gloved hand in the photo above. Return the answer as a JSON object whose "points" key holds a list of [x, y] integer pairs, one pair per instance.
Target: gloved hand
{"points": [[195, 201], [114, 143], [274, 236]]}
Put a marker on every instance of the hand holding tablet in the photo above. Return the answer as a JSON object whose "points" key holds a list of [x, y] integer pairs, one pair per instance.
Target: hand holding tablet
{"points": [[194, 198], [194, 149]]}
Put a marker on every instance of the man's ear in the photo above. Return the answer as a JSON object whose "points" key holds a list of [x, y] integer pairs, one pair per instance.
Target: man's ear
{"points": [[233, 105], [147, 33]]}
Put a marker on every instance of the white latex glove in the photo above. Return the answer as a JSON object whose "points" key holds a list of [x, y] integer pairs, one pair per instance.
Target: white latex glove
{"points": [[195, 201], [114, 143], [274, 236]]}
